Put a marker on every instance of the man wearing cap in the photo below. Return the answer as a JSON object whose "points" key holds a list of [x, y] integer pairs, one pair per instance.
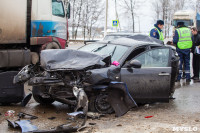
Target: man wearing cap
{"points": [[156, 32], [182, 40]]}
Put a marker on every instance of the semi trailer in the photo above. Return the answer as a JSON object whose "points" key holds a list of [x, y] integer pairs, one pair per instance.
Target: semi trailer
{"points": [[189, 17], [26, 28]]}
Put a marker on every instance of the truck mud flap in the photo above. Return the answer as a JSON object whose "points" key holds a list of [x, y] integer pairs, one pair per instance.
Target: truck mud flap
{"points": [[120, 99], [9, 92]]}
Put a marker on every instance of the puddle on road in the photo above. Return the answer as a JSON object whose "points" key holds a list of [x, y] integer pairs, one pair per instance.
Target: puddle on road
{"points": [[187, 97]]}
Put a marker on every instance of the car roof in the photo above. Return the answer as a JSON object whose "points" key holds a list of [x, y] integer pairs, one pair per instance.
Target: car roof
{"points": [[129, 42], [137, 37], [120, 34]]}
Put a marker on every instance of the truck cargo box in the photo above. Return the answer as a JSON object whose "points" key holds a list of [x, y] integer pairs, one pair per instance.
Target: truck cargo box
{"points": [[13, 14]]}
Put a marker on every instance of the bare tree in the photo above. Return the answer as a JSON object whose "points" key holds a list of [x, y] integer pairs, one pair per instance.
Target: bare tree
{"points": [[179, 4], [92, 14], [198, 6], [156, 6], [164, 9], [131, 7], [79, 10], [73, 17], [190, 4], [85, 15]]}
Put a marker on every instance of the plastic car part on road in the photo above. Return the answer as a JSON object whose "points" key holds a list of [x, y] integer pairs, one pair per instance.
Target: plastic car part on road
{"points": [[25, 125]]}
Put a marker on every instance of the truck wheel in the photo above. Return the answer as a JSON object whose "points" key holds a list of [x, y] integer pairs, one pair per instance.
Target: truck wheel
{"points": [[38, 91], [100, 104], [52, 45]]}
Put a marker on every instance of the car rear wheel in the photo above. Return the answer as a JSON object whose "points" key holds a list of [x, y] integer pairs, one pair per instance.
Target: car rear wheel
{"points": [[100, 104], [38, 91]]}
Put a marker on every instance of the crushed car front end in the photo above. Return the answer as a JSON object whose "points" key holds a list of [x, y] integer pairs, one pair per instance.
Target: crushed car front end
{"points": [[76, 78]]}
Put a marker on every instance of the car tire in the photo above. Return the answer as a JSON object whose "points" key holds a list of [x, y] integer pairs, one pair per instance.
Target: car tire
{"points": [[100, 104], [37, 92]]}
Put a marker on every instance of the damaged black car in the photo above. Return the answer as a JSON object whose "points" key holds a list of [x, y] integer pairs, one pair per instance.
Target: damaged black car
{"points": [[105, 77]]}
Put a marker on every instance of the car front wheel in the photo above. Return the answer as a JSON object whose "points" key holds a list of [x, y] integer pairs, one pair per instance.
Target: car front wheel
{"points": [[100, 104], [38, 91]]}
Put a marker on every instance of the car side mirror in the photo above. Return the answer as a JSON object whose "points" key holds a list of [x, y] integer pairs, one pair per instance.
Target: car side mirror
{"points": [[135, 64]]}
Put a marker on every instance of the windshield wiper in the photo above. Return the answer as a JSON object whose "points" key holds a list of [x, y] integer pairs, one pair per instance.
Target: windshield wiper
{"points": [[99, 48], [112, 53]]}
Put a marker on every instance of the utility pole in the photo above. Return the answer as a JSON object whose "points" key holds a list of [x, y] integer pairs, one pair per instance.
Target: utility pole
{"points": [[106, 18], [117, 17]]}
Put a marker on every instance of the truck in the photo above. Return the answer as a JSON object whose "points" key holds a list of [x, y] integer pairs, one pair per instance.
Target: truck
{"points": [[189, 17], [26, 28]]}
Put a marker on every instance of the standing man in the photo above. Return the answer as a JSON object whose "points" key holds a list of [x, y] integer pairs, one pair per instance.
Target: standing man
{"points": [[156, 32], [196, 57], [182, 40]]}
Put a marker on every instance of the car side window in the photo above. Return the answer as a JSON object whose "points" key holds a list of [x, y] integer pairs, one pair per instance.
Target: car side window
{"points": [[136, 52], [154, 58]]}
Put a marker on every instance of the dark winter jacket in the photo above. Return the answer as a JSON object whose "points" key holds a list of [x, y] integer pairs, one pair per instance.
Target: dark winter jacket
{"points": [[195, 41], [154, 33]]}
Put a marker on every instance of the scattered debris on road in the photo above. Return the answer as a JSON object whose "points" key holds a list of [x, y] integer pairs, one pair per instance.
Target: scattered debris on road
{"points": [[26, 116], [25, 125], [52, 118], [148, 116], [94, 115], [119, 125], [10, 113], [92, 123], [68, 128], [26, 99]]}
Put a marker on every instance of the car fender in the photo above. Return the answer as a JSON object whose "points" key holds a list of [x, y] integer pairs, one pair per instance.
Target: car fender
{"points": [[120, 98]]}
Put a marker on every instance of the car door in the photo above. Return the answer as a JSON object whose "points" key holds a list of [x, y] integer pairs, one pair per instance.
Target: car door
{"points": [[151, 82]]}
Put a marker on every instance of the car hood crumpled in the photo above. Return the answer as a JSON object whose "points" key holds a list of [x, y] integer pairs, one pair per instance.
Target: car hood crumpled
{"points": [[68, 59]]}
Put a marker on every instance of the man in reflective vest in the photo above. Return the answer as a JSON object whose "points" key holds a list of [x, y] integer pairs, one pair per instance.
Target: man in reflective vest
{"points": [[182, 40], [156, 32]]}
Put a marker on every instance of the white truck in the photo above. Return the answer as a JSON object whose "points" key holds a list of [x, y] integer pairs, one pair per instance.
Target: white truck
{"points": [[189, 17], [26, 28]]}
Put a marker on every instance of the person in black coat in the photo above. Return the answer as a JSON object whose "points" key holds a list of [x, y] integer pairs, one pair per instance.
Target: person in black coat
{"points": [[196, 57]]}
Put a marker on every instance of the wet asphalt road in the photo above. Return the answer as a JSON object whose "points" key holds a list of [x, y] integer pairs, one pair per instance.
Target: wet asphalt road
{"points": [[183, 111]]}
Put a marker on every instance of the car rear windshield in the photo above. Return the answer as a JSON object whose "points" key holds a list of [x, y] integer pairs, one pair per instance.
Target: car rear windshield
{"points": [[116, 51]]}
